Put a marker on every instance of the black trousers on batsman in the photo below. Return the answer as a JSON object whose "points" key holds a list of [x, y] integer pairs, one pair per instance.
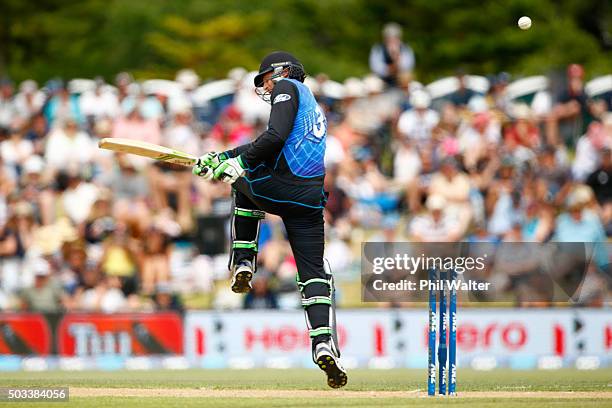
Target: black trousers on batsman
{"points": [[301, 208]]}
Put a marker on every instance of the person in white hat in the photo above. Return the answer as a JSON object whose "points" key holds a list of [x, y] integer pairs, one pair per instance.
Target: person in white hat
{"points": [[435, 225], [418, 122]]}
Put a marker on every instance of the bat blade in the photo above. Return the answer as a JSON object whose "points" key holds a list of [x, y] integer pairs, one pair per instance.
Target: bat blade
{"points": [[150, 150]]}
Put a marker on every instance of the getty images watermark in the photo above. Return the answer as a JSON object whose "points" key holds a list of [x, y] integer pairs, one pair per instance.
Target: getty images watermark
{"points": [[411, 265], [514, 273]]}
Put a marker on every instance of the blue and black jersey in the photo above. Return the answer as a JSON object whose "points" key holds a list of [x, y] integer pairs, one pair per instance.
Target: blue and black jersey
{"points": [[293, 146]]}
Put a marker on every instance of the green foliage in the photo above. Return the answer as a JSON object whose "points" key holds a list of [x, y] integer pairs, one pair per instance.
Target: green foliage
{"points": [[64, 38]]}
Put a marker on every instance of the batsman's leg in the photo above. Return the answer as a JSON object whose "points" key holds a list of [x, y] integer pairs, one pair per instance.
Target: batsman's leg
{"points": [[317, 289], [245, 235]]}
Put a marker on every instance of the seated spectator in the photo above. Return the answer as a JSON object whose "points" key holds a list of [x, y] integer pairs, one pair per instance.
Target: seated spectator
{"points": [[68, 141], [454, 186], [62, 107], [538, 222], [436, 225], [99, 103], [105, 297], [503, 202], [149, 107], [474, 136], [30, 100], [392, 57], [155, 262], [134, 126], [262, 296], [587, 151], [36, 132], [164, 299], [16, 150], [74, 257], [417, 124], [119, 258], [579, 223], [78, 198], [445, 132], [407, 162], [231, 130], [551, 171], [522, 132], [47, 295]]}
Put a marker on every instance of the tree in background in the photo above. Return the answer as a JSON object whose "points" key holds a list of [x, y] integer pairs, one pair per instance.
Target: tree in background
{"points": [[50, 38]]}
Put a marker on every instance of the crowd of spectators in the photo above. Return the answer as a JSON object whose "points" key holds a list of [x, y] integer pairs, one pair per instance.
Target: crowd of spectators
{"points": [[86, 229]]}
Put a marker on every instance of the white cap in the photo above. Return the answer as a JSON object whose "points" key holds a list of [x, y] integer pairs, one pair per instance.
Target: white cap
{"points": [[187, 78], [420, 99], [581, 195], [33, 164], [40, 267], [435, 202], [353, 88], [312, 84], [477, 104], [521, 111], [237, 74], [392, 30], [373, 84], [28, 86]]}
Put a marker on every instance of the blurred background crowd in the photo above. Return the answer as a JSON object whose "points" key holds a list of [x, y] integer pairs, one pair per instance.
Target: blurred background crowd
{"points": [[467, 157]]}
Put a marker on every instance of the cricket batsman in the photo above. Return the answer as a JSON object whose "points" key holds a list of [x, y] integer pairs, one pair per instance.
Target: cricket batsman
{"points": [[282, 173]]}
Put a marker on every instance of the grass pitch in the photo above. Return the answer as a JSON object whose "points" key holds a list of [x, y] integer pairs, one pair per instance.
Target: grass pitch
{"points": [[306, 388]]}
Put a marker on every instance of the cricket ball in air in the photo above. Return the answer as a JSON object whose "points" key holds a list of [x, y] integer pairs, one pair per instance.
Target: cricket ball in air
{"points": [[524, 23]]}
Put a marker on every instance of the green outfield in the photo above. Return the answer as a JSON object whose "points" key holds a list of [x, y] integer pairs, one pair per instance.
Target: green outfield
{"points": [[306, 388]]}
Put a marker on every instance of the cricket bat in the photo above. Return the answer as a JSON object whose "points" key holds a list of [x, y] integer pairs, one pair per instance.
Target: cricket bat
{"points": [[145, 149]]}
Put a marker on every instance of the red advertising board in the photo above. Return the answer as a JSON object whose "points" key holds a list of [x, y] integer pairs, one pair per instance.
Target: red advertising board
{"points": [[24, 334], [125, 334]]}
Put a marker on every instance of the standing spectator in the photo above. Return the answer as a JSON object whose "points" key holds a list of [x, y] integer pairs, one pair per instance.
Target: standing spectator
{"points": [[392, 57], [570, 116], [7, 104], [461, 97]]}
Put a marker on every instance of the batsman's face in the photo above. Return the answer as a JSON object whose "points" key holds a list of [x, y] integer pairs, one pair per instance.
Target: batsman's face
{"points": [[268, 83]]}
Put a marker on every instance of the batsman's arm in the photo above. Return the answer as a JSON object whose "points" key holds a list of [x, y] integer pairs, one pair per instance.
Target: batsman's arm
{"points": [[285, 102]]}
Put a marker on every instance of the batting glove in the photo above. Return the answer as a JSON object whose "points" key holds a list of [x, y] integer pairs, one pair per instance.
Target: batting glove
{"points": [[206, 165], [230, 170]]}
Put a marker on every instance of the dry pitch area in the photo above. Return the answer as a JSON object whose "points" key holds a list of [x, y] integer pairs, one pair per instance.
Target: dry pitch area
{"points": [[306, 388]]}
